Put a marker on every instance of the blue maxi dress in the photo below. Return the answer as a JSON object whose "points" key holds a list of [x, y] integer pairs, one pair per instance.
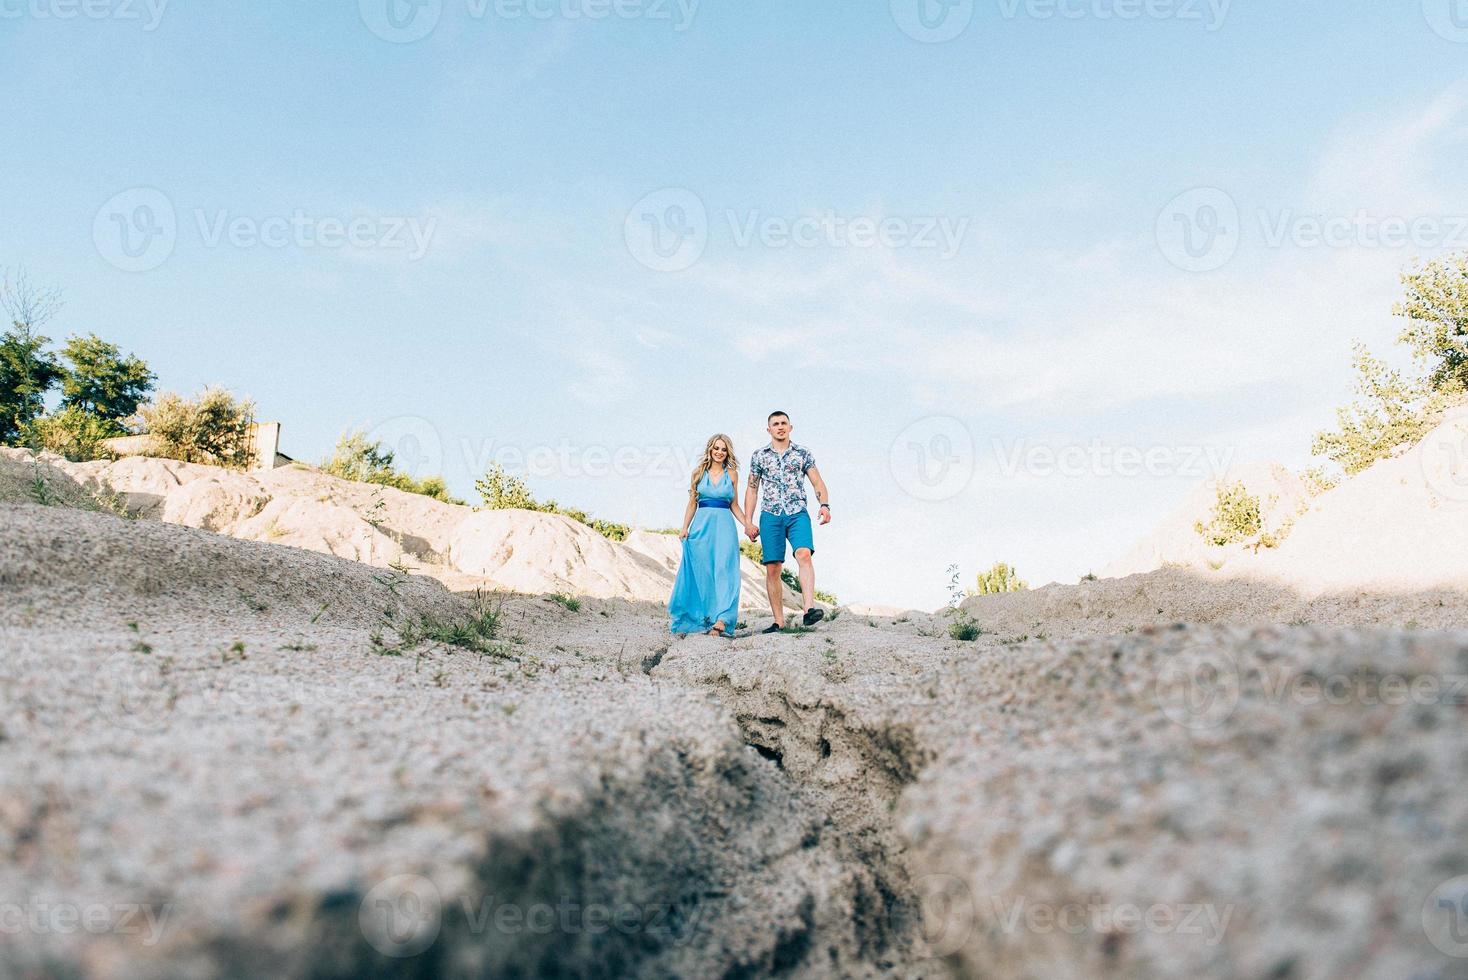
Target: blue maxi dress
{"points": [[707, 587]]}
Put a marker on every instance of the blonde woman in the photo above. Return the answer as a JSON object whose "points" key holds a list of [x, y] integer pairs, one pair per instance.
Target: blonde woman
{"points": [[706, 593]]}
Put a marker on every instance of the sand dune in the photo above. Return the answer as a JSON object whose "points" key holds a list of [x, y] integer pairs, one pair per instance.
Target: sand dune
{"points": [[299, 506], [1401, 525]]}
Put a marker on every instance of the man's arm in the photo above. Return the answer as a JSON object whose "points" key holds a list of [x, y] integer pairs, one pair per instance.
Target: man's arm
{"points": [[822, 494], [751, 497]]}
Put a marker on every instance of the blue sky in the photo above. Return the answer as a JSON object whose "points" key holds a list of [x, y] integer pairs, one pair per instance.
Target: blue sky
{"points": [[1096, 238]]}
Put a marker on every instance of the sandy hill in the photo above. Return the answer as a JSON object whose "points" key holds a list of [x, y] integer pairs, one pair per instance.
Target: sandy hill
{"points": [[288, 756], [299, 506], [279, 762], [1399, 526]]}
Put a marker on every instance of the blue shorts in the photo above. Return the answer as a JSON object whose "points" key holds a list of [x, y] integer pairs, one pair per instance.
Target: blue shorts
{"points": [[774, 529]]}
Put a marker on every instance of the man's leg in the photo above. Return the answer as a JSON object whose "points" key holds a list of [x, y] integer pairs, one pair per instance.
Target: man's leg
{"points": [[773, 587], [772, 548], [807, 576], [804, 547]]}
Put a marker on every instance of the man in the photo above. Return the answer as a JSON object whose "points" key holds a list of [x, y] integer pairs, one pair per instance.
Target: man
{"points": [[777, 474]]}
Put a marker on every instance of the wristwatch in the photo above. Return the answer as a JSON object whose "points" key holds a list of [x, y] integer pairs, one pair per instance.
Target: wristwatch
{"points": [[827, 506]]}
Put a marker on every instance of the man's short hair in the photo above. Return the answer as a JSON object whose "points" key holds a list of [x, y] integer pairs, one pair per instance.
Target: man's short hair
{"points": [[772, 417]]}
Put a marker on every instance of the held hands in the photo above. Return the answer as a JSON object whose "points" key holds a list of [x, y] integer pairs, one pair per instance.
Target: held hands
{"points": [[752, 531]]}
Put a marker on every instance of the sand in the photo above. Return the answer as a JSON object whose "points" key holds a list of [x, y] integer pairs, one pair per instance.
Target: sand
{"points": [[225, 756]]}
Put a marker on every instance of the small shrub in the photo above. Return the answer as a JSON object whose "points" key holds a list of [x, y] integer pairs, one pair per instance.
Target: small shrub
{"points": [[475, 633], [1317, 481], [1275, 538], [1235, 517], [214, 427], [41, 490], [570, 602], [71, 432], [501, 491], [964, 629], [369, 462], [1001, 578]]}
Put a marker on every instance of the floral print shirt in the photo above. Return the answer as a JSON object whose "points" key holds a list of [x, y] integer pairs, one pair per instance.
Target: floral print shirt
{"points": [[781, 478]]}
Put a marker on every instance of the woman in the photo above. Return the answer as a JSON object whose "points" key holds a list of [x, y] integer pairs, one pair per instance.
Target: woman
{"points": [[706, 593]]}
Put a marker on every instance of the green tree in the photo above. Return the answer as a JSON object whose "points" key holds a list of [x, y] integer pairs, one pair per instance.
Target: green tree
{"points": [[1436, 308], [370, 462], [357, 459], [27, 372], [1396, 409], [97, 379]]}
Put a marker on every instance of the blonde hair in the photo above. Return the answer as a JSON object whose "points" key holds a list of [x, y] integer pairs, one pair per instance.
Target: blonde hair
{"points": [[730, 463]]}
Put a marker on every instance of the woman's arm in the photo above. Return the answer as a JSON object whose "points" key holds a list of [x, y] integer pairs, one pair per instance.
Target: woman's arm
{"points": [[688, 513], [739, 513]]}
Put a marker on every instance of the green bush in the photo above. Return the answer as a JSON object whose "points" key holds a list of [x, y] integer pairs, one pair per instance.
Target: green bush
{"points": [[1236, 517], [1393, 411], [1000, 578], [1317, 481], [368, 462], [215, 427], [501, 491], [964, 629], [1396, 410], [71, 432]]}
